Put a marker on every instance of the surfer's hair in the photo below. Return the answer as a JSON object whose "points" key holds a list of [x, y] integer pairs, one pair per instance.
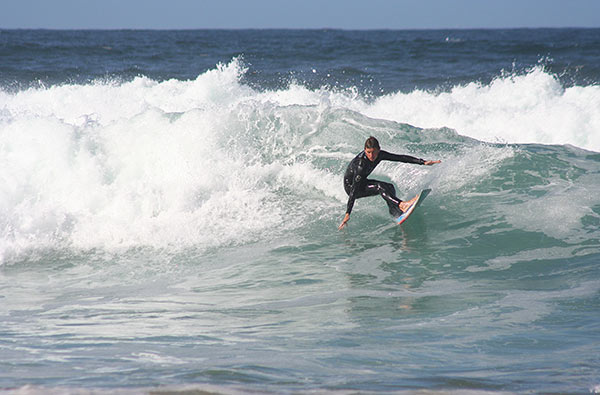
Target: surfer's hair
{"points": [[372, 143]]}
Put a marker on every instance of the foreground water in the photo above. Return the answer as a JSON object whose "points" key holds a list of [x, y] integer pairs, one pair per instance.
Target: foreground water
{"points": [[171, 224]]}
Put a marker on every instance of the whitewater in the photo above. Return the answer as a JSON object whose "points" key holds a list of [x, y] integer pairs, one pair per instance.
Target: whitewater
{"points": [[151, 163], [179, 233]]}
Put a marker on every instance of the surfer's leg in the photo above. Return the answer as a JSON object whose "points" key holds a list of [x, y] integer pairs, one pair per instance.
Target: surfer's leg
{"points": [[388, 193]]}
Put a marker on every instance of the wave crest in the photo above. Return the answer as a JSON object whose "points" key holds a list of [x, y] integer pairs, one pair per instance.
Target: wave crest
{"points": [[529, 108], [211, 162]]}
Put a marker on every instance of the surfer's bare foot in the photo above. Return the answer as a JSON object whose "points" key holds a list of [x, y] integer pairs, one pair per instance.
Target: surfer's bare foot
{"points": [[405, 205]]}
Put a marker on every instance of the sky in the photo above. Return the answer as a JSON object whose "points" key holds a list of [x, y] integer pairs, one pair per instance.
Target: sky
{"points": [[297, 14]]}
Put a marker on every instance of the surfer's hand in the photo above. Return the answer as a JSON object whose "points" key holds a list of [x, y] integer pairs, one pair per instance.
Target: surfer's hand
{"points": [[342, 225], [344, 222], [431, 162]]}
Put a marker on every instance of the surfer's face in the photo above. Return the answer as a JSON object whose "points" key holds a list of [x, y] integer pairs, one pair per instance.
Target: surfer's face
{"points": [[372, 153]]}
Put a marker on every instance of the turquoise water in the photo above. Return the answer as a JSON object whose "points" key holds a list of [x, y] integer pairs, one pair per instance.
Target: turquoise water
{"points": [[181, 234]]}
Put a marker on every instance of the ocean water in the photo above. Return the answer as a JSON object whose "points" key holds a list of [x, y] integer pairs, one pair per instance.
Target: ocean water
{"points": [[169, 203]]}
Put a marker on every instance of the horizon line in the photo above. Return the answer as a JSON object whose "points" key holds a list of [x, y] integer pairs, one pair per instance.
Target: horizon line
{"points": [[295, 28]]}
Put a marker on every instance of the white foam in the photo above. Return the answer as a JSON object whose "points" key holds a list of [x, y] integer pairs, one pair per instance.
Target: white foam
{"points": [[529, 108], [559, 211], [142, 163]]}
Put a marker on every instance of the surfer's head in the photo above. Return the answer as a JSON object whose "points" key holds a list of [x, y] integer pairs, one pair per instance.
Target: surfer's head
{"points": [[372, 148]]}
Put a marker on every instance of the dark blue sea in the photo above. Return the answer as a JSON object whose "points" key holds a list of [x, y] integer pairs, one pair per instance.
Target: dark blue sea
{"points": [[169, 204]]}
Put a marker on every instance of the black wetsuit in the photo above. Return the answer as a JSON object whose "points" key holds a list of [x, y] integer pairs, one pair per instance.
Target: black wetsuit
{"points": [[357, 185]]}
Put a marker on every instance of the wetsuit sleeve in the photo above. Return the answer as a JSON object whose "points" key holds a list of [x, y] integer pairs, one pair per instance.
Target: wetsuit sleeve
{"points": [[351, 199], [352, 195], [401, 158], [358, 174]]}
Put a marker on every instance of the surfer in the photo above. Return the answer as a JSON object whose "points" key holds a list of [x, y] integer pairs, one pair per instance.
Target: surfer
{"points": [[357, 185]]}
